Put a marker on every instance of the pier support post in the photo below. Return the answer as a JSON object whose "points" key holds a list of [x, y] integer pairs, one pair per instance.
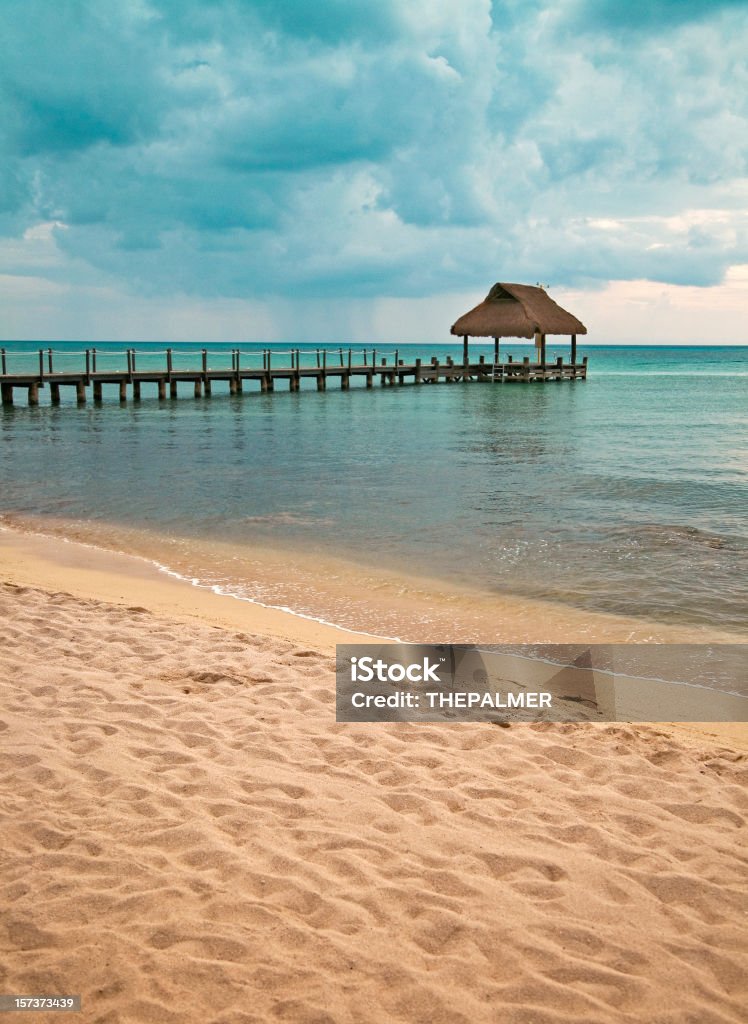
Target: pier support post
{"points": [[54, 394], [97, 390], [584, 368], [198, 388], [80, 392], [162, 389], [370, 380], [206, 378], [345, 381], [321, 382], [123, 391], [33, 394], [526, 368], [573, 349], [417, 374], [172, 389], [136, 390], [233, 388], [560, 368], [6, 391]]}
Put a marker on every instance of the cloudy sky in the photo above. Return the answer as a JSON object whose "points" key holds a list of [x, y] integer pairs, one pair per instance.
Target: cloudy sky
{"points": [[364, 170]]}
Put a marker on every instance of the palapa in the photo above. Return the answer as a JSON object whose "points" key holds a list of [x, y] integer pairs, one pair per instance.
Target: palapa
{"points": [[517, 311]]}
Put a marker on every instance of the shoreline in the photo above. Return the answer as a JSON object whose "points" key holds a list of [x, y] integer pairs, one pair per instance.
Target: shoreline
{"points": [[348, 597], [92, 573], [60, 566]]}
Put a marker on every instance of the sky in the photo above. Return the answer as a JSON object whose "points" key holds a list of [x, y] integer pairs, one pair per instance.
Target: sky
{"points": [[365, 170]]}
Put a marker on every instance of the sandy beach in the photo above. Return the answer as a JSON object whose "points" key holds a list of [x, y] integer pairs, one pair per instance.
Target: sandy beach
{"points": [[189, 836]]}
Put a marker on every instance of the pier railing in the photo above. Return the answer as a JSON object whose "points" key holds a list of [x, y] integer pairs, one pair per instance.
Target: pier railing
{"points": [[128, 369]]}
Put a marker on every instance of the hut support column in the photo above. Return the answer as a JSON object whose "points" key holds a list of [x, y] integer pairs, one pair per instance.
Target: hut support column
{"points": [[542, 351], [573, 349], [495, 351], [465, 350]]}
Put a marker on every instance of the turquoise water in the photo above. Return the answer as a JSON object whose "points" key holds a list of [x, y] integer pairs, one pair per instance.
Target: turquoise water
{"points": [[626, 493]]}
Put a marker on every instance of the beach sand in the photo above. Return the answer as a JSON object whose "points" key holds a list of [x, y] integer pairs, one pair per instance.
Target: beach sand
{"points": [[189, 836]]}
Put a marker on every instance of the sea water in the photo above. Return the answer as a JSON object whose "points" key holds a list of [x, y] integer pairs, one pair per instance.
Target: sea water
{"points": [[625, 494]]}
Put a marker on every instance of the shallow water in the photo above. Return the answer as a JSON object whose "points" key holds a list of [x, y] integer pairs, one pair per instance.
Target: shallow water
{"points": [[625, 494]]}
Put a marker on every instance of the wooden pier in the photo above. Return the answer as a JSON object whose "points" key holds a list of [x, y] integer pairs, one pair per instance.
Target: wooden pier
{"points": [[340, 366]]}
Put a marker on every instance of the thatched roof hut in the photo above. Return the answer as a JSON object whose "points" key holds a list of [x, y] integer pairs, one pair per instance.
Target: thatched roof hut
{"points": [[517, 311]]}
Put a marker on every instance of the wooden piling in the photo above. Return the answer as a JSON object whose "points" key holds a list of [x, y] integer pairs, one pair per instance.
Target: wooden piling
{"points": [[54, 394], [198, 388], [80, 392], [6, 394], [97, 390], [123, 390], [33, 394], [172, 389]]}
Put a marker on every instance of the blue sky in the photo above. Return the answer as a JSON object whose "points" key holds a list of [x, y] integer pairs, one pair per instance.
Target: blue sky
{"points": [[355, 170]]}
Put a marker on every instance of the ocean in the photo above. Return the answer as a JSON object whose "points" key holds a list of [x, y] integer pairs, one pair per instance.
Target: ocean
{"points": [[412, 511]]}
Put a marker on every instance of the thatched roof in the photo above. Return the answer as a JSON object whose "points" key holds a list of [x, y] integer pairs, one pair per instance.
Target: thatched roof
{"points": [[517, 311]]}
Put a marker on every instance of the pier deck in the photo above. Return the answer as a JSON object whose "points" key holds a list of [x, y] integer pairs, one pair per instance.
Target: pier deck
{"points": [[342, 368]]}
